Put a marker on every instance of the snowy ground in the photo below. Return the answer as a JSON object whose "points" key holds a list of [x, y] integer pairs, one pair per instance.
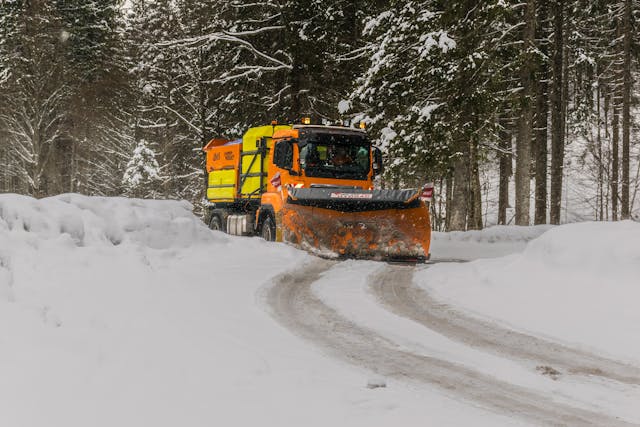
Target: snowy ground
{"points": [[578, 283], [492, 242], [131, 313]]}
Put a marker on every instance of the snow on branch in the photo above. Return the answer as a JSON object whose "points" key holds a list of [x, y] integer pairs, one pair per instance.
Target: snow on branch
{"points": [[231, 37]]}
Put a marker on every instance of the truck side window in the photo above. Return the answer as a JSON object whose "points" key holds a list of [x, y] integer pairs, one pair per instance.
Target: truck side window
{"points": [[283, 155]]}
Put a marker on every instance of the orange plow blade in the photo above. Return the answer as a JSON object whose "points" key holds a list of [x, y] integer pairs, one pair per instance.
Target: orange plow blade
{"points": [[390, 225]]}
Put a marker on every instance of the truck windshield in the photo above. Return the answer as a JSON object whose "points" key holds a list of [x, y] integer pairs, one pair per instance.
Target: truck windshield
{"points": [[342, 159]]}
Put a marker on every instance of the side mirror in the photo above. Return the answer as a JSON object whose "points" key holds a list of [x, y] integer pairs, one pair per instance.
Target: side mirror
{"points": [[378, 165]]}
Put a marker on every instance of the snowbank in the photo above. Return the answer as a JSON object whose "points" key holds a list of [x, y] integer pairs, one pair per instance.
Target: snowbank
{"points": [[91, 221], [490, 242], [576, 283]]}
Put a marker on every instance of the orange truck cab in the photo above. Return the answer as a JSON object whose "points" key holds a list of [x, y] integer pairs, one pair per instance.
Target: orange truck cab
{"points": [[312, 186]]}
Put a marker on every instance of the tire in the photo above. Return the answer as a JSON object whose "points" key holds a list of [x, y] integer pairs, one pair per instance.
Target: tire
{"points": [[268, 229], [217, 222]]}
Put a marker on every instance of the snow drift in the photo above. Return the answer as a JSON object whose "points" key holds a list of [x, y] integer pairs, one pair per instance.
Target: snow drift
{"points": [[577, 283], [95, 220], [490, 242]]}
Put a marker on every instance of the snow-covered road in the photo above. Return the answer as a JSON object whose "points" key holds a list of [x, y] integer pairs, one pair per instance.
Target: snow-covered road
{"points": [[132, 313], [395, 289], [363, 343]]}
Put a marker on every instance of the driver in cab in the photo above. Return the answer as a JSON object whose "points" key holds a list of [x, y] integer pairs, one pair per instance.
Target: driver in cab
{"points": [[340, 157]]}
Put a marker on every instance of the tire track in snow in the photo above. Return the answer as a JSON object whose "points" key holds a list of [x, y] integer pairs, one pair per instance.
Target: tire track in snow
{"points": [[294, 305], [395, 290]]}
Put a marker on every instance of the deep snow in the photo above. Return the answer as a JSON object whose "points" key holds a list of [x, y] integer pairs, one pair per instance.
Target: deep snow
{"points": [[491, 242], [132, 313], [577, 283]]}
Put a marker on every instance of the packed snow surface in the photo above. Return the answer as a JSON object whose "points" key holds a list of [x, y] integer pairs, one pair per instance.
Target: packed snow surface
{"points": [[123, 312]]}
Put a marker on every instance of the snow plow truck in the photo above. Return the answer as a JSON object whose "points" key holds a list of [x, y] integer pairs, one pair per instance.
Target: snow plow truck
{"points": [[312, 186]]}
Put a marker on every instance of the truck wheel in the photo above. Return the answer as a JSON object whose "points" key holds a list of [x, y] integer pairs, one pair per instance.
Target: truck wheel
{"points": [[268, 231], [217, 221]]}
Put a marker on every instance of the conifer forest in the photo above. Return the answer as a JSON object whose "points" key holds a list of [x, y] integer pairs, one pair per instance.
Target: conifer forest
{"points": [[520, 112]]}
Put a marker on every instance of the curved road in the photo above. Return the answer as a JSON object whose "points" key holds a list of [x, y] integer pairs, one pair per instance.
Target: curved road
{"points": [[295, 306], [395, 290]]}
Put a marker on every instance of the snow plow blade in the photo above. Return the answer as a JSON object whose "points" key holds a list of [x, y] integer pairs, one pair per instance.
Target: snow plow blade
{"points": [[386, 225]]}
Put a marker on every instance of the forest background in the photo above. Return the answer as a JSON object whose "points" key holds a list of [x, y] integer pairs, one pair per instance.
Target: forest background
{"points": [[521, 112]]}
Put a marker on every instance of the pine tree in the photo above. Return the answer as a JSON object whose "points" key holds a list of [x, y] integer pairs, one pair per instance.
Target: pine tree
{"points": [[35, 94], [63, 91], [142, 174], [434, 95], [95, 129], [9, 14], [398, 94]]}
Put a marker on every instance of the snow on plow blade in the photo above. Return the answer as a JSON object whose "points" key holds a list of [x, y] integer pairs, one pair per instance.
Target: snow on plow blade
{"points": [[353, 223]]}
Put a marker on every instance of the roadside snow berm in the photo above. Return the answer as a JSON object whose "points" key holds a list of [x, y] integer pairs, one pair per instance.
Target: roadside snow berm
{"points": [[312, 186]]}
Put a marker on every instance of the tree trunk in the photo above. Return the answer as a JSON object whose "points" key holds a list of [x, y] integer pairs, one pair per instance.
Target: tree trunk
{"points": [[542, 112], [607, 137], [5, 173], [505, 172], [460, 194], [438, 210], [600, 205], [522, 178], [615, 143], [449, 202], [557, 119], [525, 125], [565, 109], [475, 211], [626, 105]]}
